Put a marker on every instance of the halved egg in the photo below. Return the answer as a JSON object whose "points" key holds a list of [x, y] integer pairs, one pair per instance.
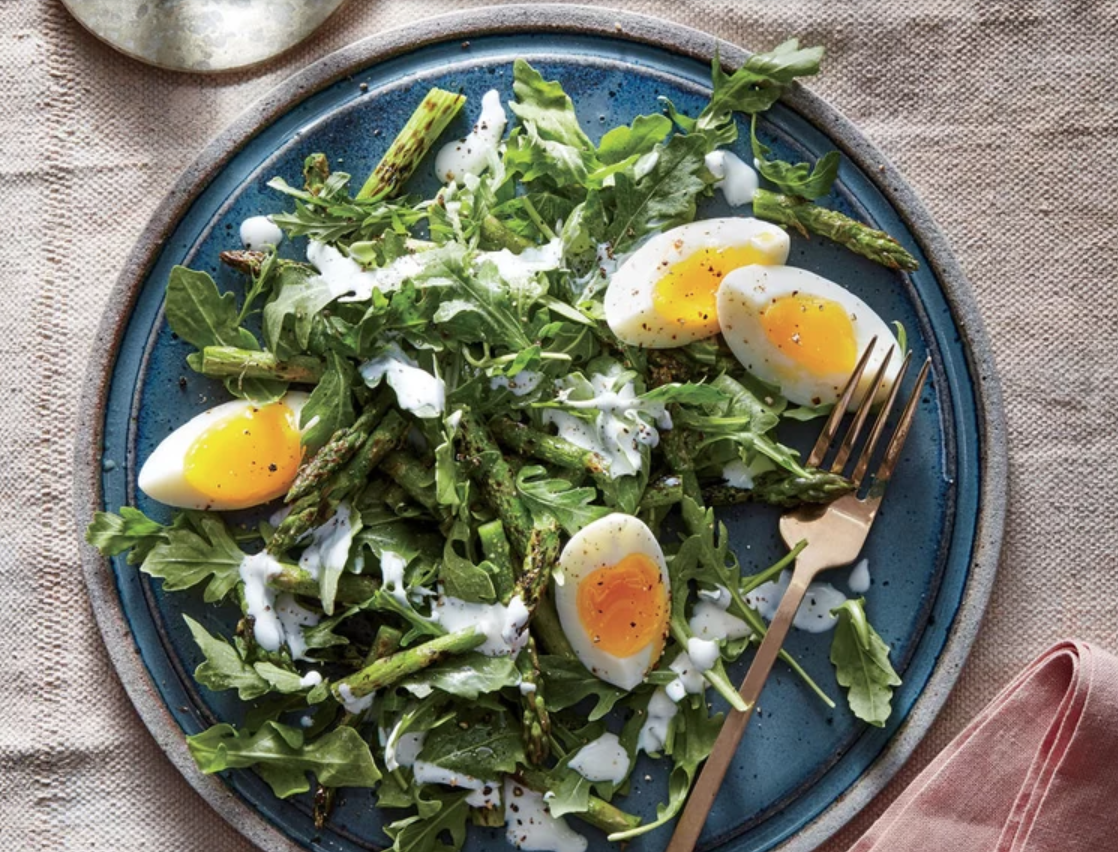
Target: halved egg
{"points": [[664, 294], [233, 456], [613, 596], [802, 332]]}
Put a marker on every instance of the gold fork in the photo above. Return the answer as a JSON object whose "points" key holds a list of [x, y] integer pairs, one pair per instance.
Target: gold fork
{"points": [[835, 534]]}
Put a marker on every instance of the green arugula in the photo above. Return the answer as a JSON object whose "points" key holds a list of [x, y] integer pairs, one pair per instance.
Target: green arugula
{"points": [[225, 666], [340, 758], [557, 498], [467, 676], [203, 317], [130, 530], [438, 814], [199, 550], [483, 749], [330, 405], [862, 664], [569, 683], [801, 179]]}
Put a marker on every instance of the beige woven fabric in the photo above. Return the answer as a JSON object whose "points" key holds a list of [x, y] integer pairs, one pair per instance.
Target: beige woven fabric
{"points": [[1002, 115]]}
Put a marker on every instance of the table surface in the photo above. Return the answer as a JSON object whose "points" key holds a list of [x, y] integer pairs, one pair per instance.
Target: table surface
{"points": [[1001, 115]]}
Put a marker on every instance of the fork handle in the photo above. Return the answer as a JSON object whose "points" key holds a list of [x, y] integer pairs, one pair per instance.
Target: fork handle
{"points": [[702, 796]]}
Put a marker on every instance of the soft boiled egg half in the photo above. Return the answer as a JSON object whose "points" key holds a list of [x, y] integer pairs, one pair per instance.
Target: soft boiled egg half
{"points": [[612, 594], [233, 456], [802, 333], [663, 295]]}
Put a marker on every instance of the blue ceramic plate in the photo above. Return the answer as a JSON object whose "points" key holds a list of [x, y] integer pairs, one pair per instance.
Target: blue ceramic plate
{"points": [[803, 769]]}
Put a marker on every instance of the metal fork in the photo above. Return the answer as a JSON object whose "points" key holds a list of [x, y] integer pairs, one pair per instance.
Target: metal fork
{"points": [[835, 534]]}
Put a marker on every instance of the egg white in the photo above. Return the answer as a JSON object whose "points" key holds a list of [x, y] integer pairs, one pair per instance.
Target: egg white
{"points": [[605, 542], [746, 292], [629, 306], [163, 475]]}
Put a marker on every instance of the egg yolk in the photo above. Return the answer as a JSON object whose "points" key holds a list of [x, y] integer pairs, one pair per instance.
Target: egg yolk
{"points": [[685, 296], [249, 458], [815, 333], [624, 607]]}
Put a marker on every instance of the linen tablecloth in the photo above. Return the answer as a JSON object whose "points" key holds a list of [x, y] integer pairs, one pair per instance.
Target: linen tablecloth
{"points": [[1002, 115]]}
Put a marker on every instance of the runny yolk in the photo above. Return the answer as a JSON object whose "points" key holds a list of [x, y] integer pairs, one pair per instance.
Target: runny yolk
{"points": [[249, 458], [624, 607], [685, 296], [815, 333]]}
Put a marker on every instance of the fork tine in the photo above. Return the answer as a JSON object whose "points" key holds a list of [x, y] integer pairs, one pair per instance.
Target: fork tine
{"points": [[893, 451], [879, 424], [837, 413], [860, 416]]}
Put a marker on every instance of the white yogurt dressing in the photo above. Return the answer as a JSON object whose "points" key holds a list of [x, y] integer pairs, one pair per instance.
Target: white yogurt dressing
{"points": [[738, 474], [619, 429], [392, 567], [416, 390], [485, 794], [603, 759], [352, 704], [293, 618], [310, 679], [471, 155], [330, 543], [518, 269], [349, 281], [260, 599], [260, 231], [734, 177], [530, 826], [704, 653], [502, 625], [710, 621], [401, 749], [814, 614], [689, 677], [522, 384], [654, 731], [859, 581]]}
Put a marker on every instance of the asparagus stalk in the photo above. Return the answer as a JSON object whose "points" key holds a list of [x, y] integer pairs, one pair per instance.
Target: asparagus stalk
{"points": [[549, 448], [801, 214], [414, 478], [536, 722], [352, 588], [412, 144], [389, 670], [303, 516], [377, 447], [498, 552], [341, 447], [316, 169], [494, 477], [221, 362], [243, 260], [599, 813], [783, 488], [549, 631]]}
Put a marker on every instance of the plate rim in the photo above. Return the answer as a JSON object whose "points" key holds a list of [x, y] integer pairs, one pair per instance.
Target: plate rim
{"points": [[582, 20]]}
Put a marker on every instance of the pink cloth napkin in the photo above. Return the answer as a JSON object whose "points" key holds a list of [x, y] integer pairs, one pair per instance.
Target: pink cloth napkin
{"points": [[1037, 771]]}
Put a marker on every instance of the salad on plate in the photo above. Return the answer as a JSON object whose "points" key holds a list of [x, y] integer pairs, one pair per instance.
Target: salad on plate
{"points": [[486, 435]]}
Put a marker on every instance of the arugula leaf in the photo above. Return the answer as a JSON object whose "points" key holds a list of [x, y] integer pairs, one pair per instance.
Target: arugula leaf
{"points": [[332, 216], [200, 549], [330, 405], [476, 304], [481, 749], [439, 813], [558, 499], [553, 143], [224, 666], [131, 529], [862, 664], [280, 679], [801, 179], [758, 84], [384, 531], [300, 295], [203, 317], [660, 199], [568, 682], [624, 144], [459, 576], [280, 754], [467, 676]]}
